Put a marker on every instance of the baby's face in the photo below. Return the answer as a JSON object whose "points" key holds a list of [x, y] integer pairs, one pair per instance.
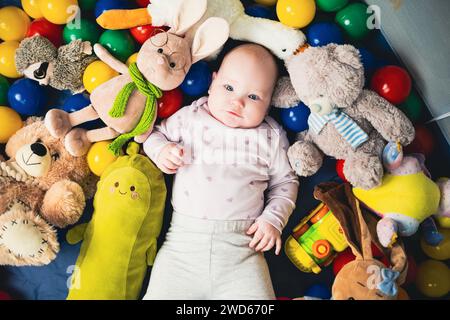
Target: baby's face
{"points": [[241, 91]]}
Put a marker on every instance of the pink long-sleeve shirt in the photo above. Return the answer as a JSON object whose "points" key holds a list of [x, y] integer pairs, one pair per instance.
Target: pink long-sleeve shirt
{"points": [[229, 173]]}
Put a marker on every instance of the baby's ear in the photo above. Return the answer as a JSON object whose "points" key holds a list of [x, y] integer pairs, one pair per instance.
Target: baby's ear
{"points": [[210, 36]]}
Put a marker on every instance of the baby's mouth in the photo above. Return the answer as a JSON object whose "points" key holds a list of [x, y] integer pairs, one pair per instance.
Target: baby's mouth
{"points": [[233, 113]]}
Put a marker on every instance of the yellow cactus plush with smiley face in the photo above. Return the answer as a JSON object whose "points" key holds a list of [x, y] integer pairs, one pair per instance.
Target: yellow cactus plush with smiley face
{"points": [[120, 240]]}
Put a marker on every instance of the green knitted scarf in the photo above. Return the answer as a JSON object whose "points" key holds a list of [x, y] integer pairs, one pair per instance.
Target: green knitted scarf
{"points": [[120, 105]]}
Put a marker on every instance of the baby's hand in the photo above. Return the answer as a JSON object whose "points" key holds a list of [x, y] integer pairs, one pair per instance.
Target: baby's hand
{"points": [[265, 236], [170, 158]]}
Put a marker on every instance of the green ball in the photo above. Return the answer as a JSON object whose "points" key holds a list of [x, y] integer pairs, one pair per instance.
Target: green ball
{"points": [[86, 31], [331, 5], [353, 19], [412, 107], [119, 43], [4, 87], [87, 4]]}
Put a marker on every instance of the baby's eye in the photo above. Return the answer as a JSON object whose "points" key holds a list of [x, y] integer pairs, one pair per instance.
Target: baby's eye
{"points": [[253, 97], [228, 87]]}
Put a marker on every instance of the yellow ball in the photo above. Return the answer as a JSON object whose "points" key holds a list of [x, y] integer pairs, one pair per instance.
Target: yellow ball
{"points": [[296, 13], [444, 222], [266, 2], [11, 122], [132, 58], [433, 279], [97, 73], [441, 251], [58, 11], [14, 24], [99, 157], [31, 7], [7, 59]]}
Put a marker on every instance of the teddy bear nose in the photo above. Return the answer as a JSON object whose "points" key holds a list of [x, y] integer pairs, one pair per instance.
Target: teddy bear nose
{"points": [[39, 149]]}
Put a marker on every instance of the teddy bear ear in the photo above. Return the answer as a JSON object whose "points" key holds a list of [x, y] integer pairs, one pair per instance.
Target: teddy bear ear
{"points": [[31, 120], [349, 55]]}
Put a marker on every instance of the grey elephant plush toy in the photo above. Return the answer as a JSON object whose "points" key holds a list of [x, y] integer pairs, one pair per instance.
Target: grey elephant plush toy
{"points": [[38, 59], [346, 121]]}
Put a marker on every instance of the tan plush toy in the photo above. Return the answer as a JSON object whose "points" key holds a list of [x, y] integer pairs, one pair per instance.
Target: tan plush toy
{"points": [[127, 103], [40, 185], [364, 278]]}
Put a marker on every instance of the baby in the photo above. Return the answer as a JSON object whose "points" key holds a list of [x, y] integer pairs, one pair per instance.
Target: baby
{"points": [[226, 153]]}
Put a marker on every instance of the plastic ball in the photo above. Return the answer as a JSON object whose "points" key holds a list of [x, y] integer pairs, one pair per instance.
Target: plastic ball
{"points": [[143, 33], [11, 122], [323, 33], [340, 169], [86, 31], [51, 31], [444, 222], [423, 142], [142, 3], [97, 73], [170, 102], [87, 5], [119, 43], [105, 5], [266, 2], [59, 11], [296, 13], [442, 250], [433, 279], [7, 59], [353, 19], [99, 157], [392, 83], [295, 118], [14, 24], [27, 97], [259, 11], [197, 80], [31, 7], [132, 59], [318, 291], [4, 296], [412, 107], [342, 259], [4, 87], [369, 62], [331, 5], [76, 102]]}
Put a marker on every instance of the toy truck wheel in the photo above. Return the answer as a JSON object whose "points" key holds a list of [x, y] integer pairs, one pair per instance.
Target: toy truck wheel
{"points": [[321, 249], [298, 232], [319, 215]]}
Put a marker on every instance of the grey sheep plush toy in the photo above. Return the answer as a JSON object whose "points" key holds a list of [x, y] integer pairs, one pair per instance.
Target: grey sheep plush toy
{"points": [[38, 59], [346, 121]]}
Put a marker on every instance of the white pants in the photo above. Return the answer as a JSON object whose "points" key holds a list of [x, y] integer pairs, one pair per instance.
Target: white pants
{"points": [[209, 259]]}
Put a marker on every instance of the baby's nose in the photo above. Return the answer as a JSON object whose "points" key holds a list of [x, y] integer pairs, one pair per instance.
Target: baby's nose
{"points": [[238, 103]]}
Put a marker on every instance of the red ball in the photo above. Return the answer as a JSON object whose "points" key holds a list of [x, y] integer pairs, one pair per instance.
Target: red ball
{"points": [[143, 33], [142, 3], [169, 103], [342, 259], [392, 83], [423, 142], [412, 271], [340, 169], [45, 28], [4, 296]]}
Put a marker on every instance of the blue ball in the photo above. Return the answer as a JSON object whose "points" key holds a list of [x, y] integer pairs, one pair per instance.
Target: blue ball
{"points": [[318, 291], [27, 97], [76, 102], [259, 11], [5, 3], [323, 33], [296, 118], [197, 80], [368, 59], [105, 5]]}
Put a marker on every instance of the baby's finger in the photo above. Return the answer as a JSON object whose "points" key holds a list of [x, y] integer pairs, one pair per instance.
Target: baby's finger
{"points": [[175, 159], [169, 164], [256, 238], [252, 228], [263, 243], [278, 246], [269, 245], [177, 151], [167, 170]]}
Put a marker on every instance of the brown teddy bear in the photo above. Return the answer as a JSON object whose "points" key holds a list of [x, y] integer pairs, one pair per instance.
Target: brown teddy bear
{"points": [[346, 122], [40, 185]]}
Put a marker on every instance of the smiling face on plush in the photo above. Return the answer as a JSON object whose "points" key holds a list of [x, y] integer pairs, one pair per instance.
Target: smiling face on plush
{"points": [[44, 157], [327, 77]]}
